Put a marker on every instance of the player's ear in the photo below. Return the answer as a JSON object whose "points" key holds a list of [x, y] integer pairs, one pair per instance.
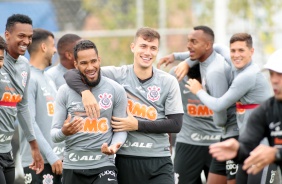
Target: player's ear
{"points": [[68, 55], [209, 45], [75, 64], [43, 47], [132, 45]]}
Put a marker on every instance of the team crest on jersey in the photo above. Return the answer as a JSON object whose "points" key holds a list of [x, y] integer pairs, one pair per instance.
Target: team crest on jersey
{"points": [[105, 100], [154, 93], [48, 179], [27, 178], [24, 78]]}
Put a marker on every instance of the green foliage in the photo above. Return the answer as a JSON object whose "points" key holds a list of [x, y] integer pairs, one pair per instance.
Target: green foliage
{"points": [[260, 15], [121, 14]]}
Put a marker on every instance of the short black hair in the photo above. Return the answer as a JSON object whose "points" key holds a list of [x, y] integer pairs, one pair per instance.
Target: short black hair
{"points": [[39, 35], [84, 45], [17, 18], [207, 30], [65, 41], [2, 43]]}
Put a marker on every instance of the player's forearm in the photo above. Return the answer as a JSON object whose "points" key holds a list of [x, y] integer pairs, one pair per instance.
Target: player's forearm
{"points": [[119, 137], [57, 135], [181, 56], [171, 125], [44, 146], [25, 122]]}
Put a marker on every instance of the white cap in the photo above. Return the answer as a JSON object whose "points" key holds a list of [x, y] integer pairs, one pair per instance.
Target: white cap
{"points": [[275, 62]]}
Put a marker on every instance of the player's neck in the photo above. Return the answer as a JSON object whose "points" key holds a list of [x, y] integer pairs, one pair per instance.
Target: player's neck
{"points": [[38, 62], [143, 73], [67, 64]]}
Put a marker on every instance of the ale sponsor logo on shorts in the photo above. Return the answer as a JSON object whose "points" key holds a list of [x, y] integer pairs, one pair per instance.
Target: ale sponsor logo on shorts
{"points": [[83, 157], [5, 138], [199, 137], [137, 144]]}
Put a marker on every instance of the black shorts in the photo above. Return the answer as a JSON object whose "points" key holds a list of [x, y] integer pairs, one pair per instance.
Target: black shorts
{"points": [[46, 176], [141, 170], [103, 175], [7, 168], [226, 168], [190, 161]]}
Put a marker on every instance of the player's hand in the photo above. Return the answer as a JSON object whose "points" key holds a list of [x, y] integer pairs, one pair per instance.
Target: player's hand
{"points": [[38, 163], [70, 128], [110, 150], [130, 123], [225, 150], [260, 157], [165, 60], [193, 85], [181, 70], [57, 167], [91, 106]]}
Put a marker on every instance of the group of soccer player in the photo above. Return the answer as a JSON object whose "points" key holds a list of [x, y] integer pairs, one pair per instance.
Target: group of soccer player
{"points": [[91, 124]]}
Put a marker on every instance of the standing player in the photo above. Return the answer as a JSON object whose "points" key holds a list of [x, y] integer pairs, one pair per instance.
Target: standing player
{"points": [[265, 121], [249, 88], [197, 133], [83, 160], [13, 90], [154, 108], [214, 68], [65, 47], [2, 49], [65, 50], [41, 98]]}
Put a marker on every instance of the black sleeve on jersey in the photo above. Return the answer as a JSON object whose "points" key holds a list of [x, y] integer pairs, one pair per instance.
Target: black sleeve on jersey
{"points": [[255, 131], [172, 124], [74, 81]]}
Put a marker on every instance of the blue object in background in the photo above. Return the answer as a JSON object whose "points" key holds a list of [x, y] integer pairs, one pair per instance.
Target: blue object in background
{"points": [[42, 13]]}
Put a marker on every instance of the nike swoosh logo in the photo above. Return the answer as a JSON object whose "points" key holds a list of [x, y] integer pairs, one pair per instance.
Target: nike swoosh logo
{"points": [[109, 179], [186, 91], [273, 125]]}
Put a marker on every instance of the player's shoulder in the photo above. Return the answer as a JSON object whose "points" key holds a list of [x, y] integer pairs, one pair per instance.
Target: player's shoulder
{"points": [[52, 70], [23, 61], [111, 83], [64, 88], [162, 74]]}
